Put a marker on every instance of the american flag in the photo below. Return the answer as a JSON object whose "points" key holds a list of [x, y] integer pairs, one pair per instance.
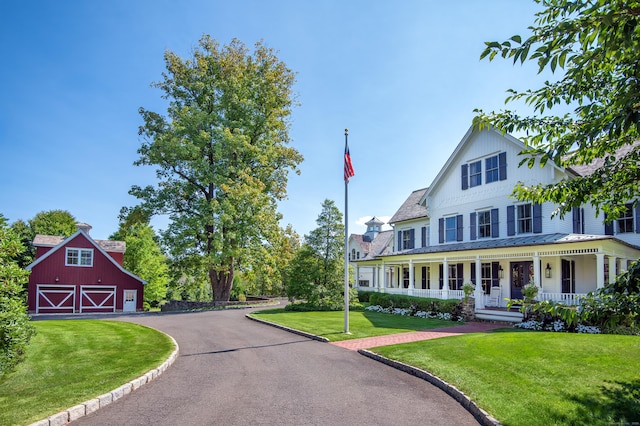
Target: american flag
{"points": [[348, 167]]}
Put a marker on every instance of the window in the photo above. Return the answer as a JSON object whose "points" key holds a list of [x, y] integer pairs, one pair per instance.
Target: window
{"points": [[426, 276], [79, 257], [406, 240], [491, 166], [487, 278], [484, 224], [450, 228], [475, 173], [524, 219], [363, 283], [405, 277], [496, 167], [625, 222]]}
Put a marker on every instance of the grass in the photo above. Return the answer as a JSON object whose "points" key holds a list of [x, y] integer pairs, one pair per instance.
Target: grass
{"points": [[69, 362], [330, 324], [537, 378]]}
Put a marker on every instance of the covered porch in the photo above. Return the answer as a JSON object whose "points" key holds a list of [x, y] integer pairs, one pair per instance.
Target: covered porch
{"points": [[565, 267]]}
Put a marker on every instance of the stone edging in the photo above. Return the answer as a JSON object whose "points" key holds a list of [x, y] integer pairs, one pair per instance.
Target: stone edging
{"points": [[482, 416], [290, 330], [88, 407]]}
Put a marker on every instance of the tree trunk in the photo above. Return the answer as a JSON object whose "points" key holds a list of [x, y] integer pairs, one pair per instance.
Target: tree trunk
{"points": [[221, 283]]}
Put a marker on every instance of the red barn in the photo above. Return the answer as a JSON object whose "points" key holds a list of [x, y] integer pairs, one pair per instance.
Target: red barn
{"points": [[81, 275]]}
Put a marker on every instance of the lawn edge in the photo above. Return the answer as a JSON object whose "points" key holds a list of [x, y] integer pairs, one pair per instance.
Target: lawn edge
{"points": [[478, 413], [290, 330], [92, 405]]}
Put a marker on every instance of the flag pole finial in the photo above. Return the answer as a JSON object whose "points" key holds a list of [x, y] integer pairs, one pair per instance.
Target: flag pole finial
{"points": [[346, 131]]}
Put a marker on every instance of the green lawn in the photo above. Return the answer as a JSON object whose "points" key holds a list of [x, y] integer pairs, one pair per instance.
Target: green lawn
{"points": [[330, 324], [537, 378], [69, 362]]}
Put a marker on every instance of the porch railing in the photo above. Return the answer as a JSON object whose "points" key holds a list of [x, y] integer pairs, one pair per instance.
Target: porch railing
{"points": [[566, 298]]}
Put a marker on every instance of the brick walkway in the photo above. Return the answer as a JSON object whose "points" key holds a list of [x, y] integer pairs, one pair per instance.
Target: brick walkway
{"points": [[392, 339]]}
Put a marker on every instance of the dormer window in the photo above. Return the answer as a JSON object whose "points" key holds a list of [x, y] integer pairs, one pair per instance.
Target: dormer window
{"points": [[79, 257], [495, 168]]}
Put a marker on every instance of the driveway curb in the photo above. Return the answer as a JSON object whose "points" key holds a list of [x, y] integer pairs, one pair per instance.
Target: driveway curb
{"points": [[482, 416], [88, 407], [290, 330]]}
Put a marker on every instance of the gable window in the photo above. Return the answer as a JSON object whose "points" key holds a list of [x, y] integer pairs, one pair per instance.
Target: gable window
{"points": [[524, 219], [625, 222], [496, 167], [79, 257], [475, 174]]}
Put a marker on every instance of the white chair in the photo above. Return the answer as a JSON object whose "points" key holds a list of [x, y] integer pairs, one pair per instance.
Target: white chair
{"points": [[494, 296]]}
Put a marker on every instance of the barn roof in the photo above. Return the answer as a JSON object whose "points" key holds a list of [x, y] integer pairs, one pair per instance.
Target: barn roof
{"points": [[53, 240]]}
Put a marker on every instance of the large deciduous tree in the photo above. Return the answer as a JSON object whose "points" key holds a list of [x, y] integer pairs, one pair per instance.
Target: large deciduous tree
{"points": [[221, 153], [593, 49]]}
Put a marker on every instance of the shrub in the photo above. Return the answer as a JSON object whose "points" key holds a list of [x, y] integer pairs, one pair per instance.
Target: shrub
{"points": [[415, 304], [363, 296], [15, 329]]}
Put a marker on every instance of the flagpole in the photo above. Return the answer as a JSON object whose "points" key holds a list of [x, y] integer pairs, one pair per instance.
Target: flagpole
{"points": [[346, 241]]}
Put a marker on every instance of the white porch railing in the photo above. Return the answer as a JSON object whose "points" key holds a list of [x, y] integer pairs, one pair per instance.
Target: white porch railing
{"points": [[566, 298]]}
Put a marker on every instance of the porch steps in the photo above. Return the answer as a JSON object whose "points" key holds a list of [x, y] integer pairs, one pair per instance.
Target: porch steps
{"points": [[498, 315]]}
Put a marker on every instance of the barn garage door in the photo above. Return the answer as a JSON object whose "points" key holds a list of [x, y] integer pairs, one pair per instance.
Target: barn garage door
{"points": [[97, 299], [55, 299]]}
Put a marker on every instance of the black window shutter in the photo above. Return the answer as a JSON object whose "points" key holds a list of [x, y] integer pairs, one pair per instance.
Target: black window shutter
{"points": [[537, 218], [638, 218], [441, 230], [459, 279], [608, 227], [412, 238], [576, 220], [400, 241], [465, 176], [424, 236], [441, 273], [495, 224], [472, 226], [473, 273], [424, 277], [459, 228], [502, 165], [511, 220]]}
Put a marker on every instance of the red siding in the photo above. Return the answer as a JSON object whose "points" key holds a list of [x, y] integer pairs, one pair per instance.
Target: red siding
{"points": [[52, 270]]}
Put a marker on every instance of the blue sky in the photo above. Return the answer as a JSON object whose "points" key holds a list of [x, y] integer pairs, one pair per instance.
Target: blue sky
{"points": [[403, 76]]}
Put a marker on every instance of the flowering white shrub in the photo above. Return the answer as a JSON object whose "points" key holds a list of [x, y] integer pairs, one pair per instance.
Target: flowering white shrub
{"points": [[407, 312], [557, 326], [588, 329]]}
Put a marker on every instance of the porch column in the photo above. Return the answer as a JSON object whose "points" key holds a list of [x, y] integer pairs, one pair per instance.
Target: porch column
{"points": [[612, 269], [600, 270], [445, 278], [412, 285], [536, 272], [479, 294]]}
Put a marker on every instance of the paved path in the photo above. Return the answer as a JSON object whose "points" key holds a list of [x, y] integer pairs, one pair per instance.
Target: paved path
{"points": [[393, 339], [234, 371]]}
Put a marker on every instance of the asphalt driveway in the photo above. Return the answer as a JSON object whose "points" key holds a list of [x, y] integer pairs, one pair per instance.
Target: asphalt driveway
{"points": [[234, 371]]}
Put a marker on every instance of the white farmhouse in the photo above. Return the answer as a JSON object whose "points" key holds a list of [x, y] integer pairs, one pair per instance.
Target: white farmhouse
{"points": [[466, 227]]}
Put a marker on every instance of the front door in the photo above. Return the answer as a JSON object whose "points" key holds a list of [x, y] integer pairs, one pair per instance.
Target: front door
{"points": [[129, 304], [521, 275]]}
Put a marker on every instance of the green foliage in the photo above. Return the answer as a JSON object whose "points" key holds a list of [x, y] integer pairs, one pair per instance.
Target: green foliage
{"points": [[316, 272], [15, 329], [387, 300], [363, 296], [144, 258], [221, 155], [592, 47], [53, 222], [613, 308]]}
